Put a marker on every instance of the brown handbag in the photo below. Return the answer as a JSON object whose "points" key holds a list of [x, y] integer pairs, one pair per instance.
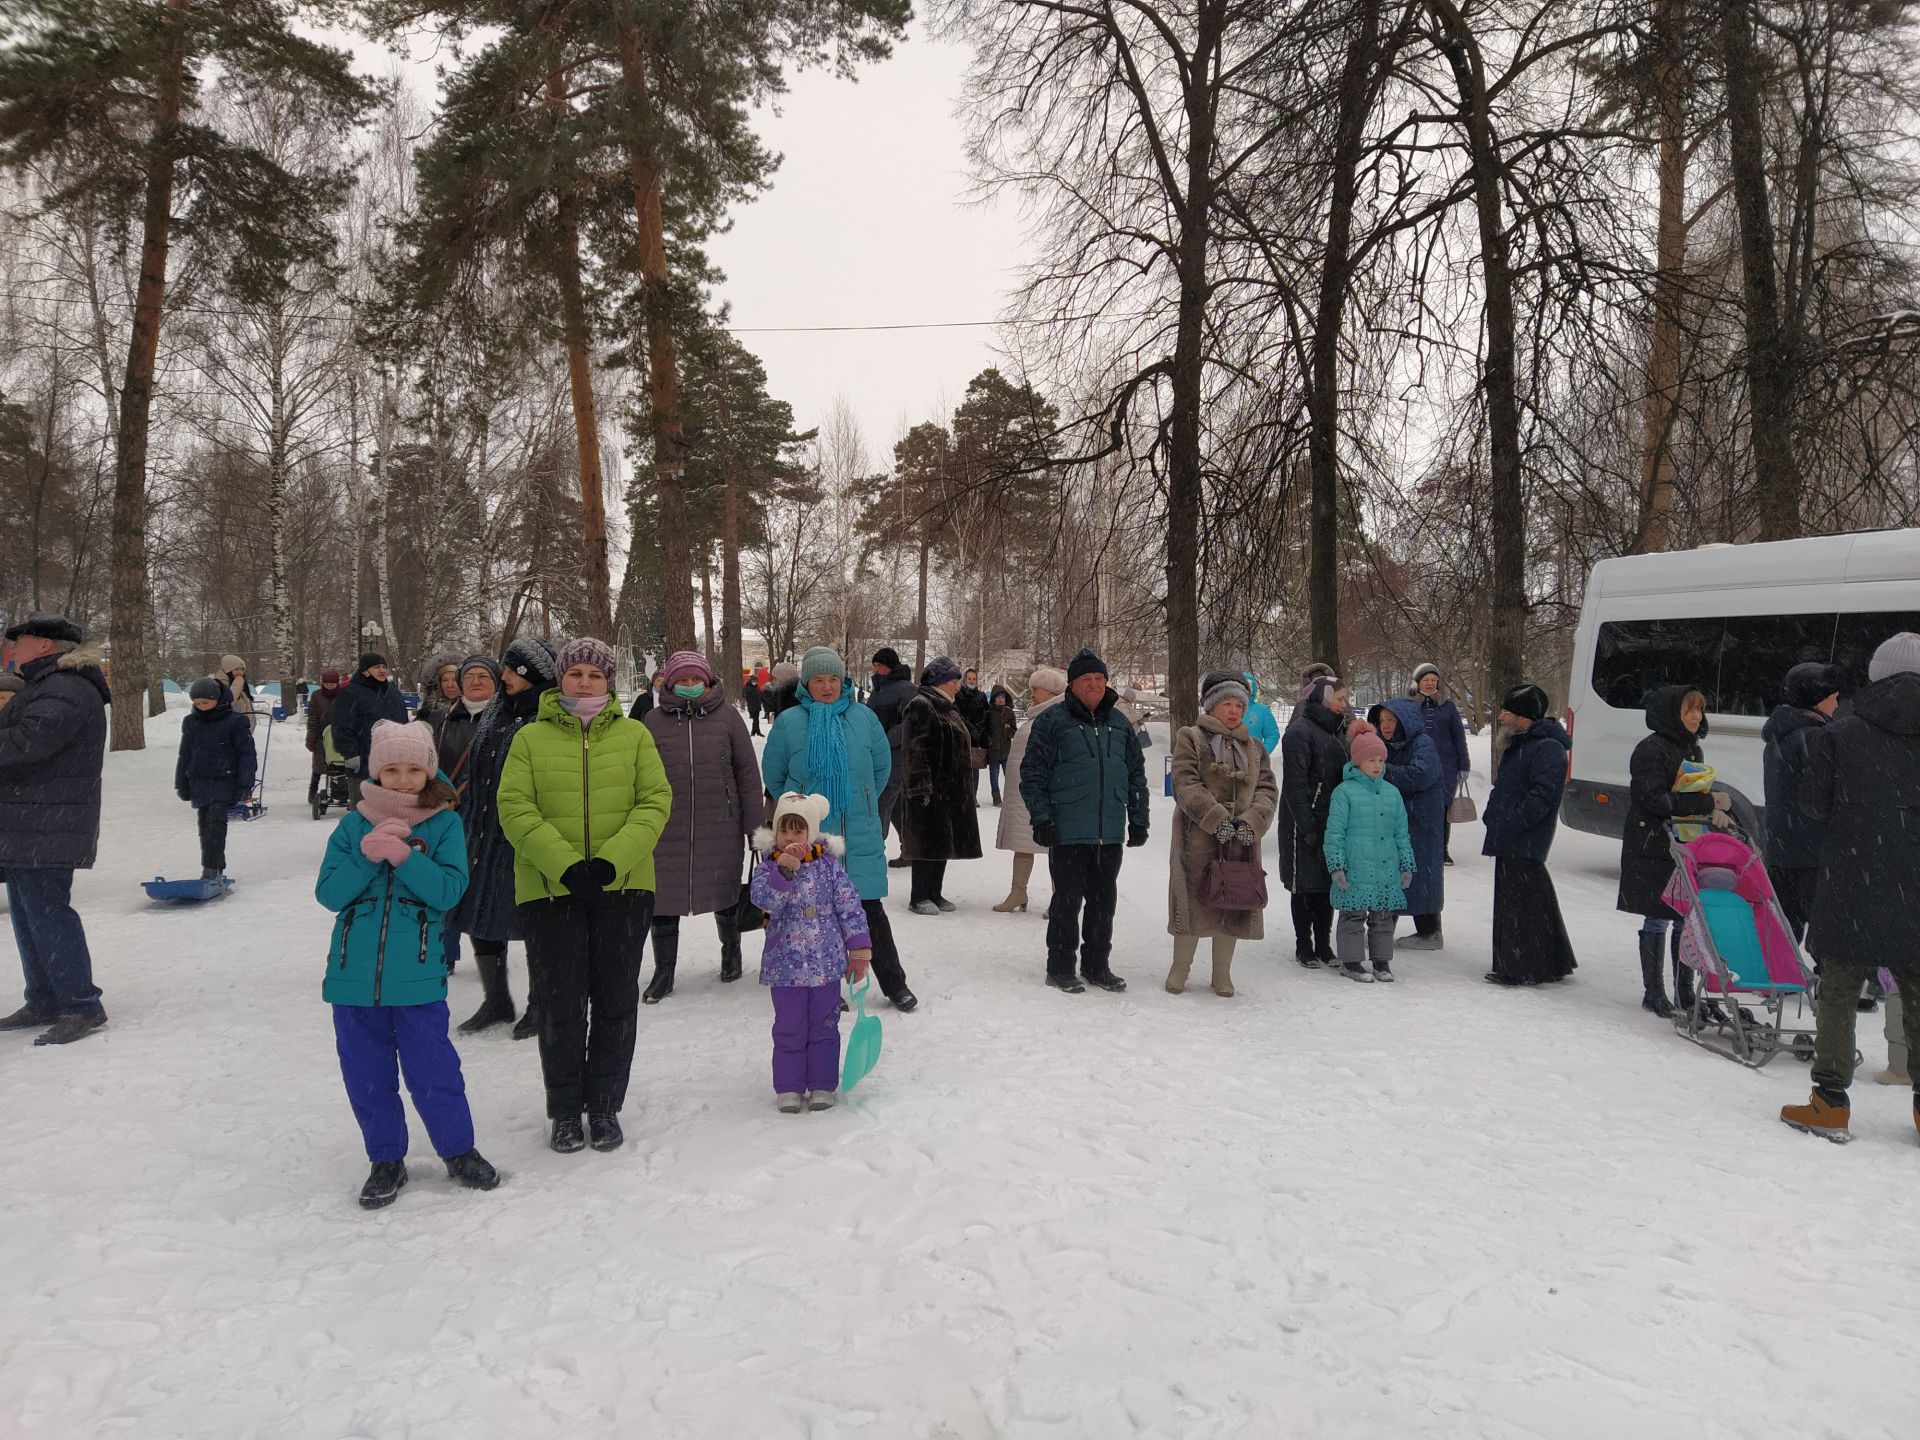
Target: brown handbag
{"points": [[1230, 884]]}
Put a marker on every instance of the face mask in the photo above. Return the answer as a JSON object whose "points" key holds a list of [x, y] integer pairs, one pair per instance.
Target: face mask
{"points": [[693, 690]]}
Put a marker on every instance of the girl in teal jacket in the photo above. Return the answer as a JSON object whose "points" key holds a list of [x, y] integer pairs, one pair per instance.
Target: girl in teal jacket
{"points": [[1370, 856], [395, 865]]}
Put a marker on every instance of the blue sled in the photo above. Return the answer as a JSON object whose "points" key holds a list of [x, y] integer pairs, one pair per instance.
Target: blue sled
{"points": [[186, 892]]}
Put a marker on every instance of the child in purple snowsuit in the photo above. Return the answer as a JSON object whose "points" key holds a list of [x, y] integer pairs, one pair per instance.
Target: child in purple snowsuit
{"points": [[816, 932]]}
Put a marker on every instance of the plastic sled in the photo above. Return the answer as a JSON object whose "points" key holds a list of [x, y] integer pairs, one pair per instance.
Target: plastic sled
{"points": [[863, 1041], [186, 892]]}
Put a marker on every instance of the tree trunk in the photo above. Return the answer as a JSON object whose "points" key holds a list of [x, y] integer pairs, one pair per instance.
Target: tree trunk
{"points": [[730, 657], [55, 380], [920, 622], [1507, 629], [1183, 427], [663, 374], [1662, 402], [131, 595], [706, 602], [277, 511], [377, 511], [1769, 363], [1336, 268]]}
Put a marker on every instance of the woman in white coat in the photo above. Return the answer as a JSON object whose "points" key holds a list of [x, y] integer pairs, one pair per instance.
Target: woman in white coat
{"points": [[1045, 687]]}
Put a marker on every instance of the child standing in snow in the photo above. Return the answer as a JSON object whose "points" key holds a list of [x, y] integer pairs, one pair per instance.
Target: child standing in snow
{"points": [[816, 932], [395, 865], [215, 769], [1370, 856]]}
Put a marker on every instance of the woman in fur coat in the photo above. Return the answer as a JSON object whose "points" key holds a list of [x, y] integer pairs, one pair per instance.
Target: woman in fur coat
{"points": [[939, 816]]}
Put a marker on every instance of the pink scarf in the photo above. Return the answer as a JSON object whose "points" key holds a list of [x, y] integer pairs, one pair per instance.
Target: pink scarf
{"points": [[585, 708], [377, 805]]}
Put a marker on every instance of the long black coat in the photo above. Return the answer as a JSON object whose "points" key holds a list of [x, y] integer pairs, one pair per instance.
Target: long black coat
{"points": [[1864, 783], [320, 705], [939, 817], [53, 744], [973, 705], [1002, 722], [1646, 861], [487, 910], [1524, 807], [1794, 837], [1313, 759], [364, 700], [891, 696], [217, 761], [455, 732]]}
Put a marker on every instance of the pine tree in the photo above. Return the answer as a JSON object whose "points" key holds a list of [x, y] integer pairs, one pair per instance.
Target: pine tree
{"points": [[108, 93]]}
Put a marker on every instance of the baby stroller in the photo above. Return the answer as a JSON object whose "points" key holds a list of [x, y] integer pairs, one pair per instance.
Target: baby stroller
{"points": [[1736, 939], [330, 791]]}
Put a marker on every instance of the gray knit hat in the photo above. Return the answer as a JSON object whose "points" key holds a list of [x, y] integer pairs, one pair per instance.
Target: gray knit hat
{"points": [[821, 660], [1899, 655], [1223, 690], [587, 651]]}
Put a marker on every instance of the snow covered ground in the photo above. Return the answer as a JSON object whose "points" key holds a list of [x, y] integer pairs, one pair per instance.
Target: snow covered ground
{"points": [[1318, 1209]]}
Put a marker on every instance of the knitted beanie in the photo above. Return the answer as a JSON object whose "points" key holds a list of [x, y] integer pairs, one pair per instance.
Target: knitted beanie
{"points": [[12, 681], [1897, 656], [587, 651], [688, 664], [368, 661], [533, 660], [330, 676], [207, 688], [1085, 663], [1367, 747], [1224, 689], [888, 656], [821, 660], [941, 671], [1050, 678], [783, 672], [480, 662], [396, 744]]}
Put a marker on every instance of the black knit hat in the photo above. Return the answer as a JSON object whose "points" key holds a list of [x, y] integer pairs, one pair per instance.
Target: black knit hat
{"points": [[1085, 663], [368, 661], [888, 656], [1529, 702], [1807, 685], [207, 688]]}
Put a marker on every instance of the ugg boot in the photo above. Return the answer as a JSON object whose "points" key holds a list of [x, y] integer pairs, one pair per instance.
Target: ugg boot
{"points": [[1017, 896], [1897, 1071], [496, 1003], [1183, 948], [1825, 1114], [1653, 956], [1223, 966], [666, 955], [729, 948]]}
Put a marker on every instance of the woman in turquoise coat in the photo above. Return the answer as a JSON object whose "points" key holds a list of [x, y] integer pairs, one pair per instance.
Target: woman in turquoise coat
{"points": [[827, 745]]}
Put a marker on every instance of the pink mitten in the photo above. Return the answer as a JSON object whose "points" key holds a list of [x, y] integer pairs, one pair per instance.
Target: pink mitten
{"points": [[397, 828], [378, 845]]}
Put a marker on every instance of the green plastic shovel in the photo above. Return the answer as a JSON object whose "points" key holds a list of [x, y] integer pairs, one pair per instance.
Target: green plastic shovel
{"points": [[863, 1041]]}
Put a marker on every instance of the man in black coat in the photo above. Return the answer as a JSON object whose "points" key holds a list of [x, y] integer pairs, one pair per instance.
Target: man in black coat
{"points": [[1794, 837], [1863, 783], [893, 691], [371, 695], [1530, 941], [53, 741]]}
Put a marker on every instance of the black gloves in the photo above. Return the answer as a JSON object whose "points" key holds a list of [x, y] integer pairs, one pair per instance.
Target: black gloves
{"points": [[1046, 836], [587, 878], [184, 795], [1136, 836]]}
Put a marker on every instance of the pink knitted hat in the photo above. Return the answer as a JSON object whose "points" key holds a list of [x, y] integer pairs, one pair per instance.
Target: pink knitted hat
{"points": [[587, 651], [396, 744], [1367, 747], [684, 663]]}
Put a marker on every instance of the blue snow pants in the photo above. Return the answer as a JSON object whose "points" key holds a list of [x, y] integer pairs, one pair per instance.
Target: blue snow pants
{"points": [[377, 1043]]}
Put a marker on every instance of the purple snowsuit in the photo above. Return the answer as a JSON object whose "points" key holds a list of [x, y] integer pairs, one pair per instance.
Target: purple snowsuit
{"points": [[813, 920]]}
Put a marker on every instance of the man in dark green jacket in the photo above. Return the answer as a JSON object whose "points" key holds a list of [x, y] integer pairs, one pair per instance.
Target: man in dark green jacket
{"points": [[1084, 782]]}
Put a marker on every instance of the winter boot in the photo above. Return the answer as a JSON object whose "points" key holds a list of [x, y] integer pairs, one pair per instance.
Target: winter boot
{"points": [[1433, 940], [1183, 948], [1383, 972], [1653, 956], [1223, 966], [529, 1026], [383, 1185], [729, 950], [1898, 1070], [1107, 980], [1016, 897], [1070, 983], [604, 1132], [69, 1028], [210, 872], [568, 1137], [496, 1003], [26, 1018], [1825, 1114], [666, 955], [790, 1102], [821, 1099], [472, 1171], [904, 1000], [1354, 970]]}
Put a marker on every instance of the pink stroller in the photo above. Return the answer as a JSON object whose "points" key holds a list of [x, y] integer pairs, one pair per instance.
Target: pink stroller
{"points": [[1736, 939]]}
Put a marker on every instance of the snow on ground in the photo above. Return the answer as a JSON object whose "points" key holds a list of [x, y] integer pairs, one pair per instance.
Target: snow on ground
{"points": [[1319, 1209]]}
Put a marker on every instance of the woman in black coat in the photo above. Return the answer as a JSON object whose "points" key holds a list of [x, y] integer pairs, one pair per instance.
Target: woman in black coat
{"points": [[1530, 944], [1313, 758], [1794, 838], [1676, 723], [487, 911], [939, 817]]}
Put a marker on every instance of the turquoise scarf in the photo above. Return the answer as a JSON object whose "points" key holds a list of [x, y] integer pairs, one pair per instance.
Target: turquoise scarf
{"points": [[827, 751]]}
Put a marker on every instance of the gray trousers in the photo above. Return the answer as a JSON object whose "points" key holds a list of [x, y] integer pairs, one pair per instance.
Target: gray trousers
{"points": [[1364, 935]]}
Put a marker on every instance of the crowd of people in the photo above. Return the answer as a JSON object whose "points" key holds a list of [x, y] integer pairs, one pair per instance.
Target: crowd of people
{"points": [[524, 803]]}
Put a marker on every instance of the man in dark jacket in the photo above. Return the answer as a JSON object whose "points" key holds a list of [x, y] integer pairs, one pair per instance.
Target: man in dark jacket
{"points": [[53, 740], [371, 696], [1530, 942], [1863, 782], [1794, 837], [216, 768], [1084, 783], [750, 696], [893, 690]]}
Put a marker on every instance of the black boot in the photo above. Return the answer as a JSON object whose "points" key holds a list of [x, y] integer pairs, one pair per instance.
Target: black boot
{"points": [[1653, 957], [529, 1026], [568, 1136], [383, 1185], [472, 1171], [729, 948], [496, 1004], [603, 1131], [666, 954]]}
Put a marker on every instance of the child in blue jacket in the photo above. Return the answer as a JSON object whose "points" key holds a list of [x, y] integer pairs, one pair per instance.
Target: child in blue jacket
{"points": [[216, 768], [395, 865], [1370, 856]]}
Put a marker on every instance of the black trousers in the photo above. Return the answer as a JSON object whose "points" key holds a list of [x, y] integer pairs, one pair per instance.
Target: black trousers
{"points": [[586, 957], [213, 837], [929, 879], [1312, 923], [1795, 886], [1083, 875], [888, 973]]}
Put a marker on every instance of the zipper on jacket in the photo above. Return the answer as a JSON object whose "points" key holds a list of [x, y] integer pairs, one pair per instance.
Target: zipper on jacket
{"points": [[586, 791], [380, 956], [423, 937], [693, 780], [346, 933]]}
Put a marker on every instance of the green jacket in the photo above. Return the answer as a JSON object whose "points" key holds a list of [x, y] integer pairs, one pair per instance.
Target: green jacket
{"points": [[568, 795], [1083, 773], [386, 939]]}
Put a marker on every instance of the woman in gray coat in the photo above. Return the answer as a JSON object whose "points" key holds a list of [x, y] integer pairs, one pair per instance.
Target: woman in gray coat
{"points": [[704, 744]]}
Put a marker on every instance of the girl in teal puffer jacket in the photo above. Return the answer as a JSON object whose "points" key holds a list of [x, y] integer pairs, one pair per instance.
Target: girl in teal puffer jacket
{"points": [[395, 865], [1370, 855]]}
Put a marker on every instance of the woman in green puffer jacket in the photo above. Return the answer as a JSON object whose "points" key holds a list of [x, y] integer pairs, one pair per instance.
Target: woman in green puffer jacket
{"points": [[583, 799]]}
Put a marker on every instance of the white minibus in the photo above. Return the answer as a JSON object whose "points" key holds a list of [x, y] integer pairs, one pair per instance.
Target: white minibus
{"points": [[1729, 621]]}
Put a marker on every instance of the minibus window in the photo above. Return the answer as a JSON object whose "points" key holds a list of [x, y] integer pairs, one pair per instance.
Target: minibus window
{"points": [[1632, 657], [1861, 633], [1756, 651]]}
